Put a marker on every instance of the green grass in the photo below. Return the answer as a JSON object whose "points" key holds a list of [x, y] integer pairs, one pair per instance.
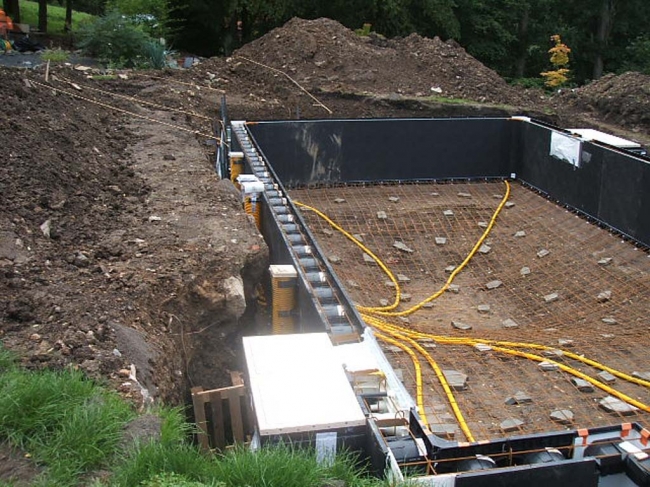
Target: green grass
{"points": [[55, 55], [55, 17], [73, 428]]}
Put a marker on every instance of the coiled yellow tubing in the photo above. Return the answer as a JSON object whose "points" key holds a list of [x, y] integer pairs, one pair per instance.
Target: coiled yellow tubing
{"points": [[406, 339]]}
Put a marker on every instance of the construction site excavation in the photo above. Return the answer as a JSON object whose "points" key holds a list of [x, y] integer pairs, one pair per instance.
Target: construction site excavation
{"points": [[481, 286]]}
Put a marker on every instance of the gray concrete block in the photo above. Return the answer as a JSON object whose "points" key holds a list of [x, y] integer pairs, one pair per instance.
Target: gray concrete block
{"points": [[641, 375], [334, 259], [456, 379], [384, 302], [509, 204], [367, 258], [454, 288], [608, 320], [606, 377], [382, 215], [484, 249], [389, 284], [520, 234], [524, 271], [564, 342], [562, 416], [493, 284], [450, 268], [509, 323], [393, 199], [605, 261], [614, 405], [434, 194], [604, 296], [549, 298], [328, 232], [405, 297], [339, 200], [448, 213], [548, 366], [482, 347], [403, 278], [483, 308], [353, 284], [461, 326], [483, 224], [402, 246], [444, 430], [440, 240], [428, 305], [582, 385], [543, 253], [358, 237], [404, 319], [464, 195], [554, 354], [519, 397], [511, 424]]}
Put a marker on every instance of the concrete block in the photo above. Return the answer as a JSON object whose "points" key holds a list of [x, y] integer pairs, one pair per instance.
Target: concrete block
{"points": [[404, 319], [519, 397], [367, 258], [402, 246], [353, 284], [382, 215], [484, 249], [393, 199], [554, 354], [483, 224], [582, 385], [440, 240], [464, 195], [384, 302], [434, 194], [604, 296], [450, 268], [461, 326], [358, 237], [605, 261], [509, 204], [428, 305], [509, 323], [608, 320], [493, 284], [641, 375], [549, 298], [548, 366], [483, 308], [405, 297], [448, 213], [389, 284], [454, 288], [457, 380], [564, 342], [606, 377], [614, 405], [334, 259], [328, 232], [482, 347], [520, 234], [444, 430], [511, 424], [543, 253], [339, 200], [403, 278], [562, 416], [524, 271]]}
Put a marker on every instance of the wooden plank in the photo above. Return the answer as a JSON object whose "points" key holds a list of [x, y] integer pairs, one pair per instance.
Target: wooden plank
{"points": [[223, 389], [218, 422], [391, 422], [236, 416], [199, 416]]}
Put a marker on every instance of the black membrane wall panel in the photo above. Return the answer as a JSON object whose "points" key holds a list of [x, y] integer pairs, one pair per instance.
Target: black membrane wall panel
{"points": [[608, 185], [334, 151]]}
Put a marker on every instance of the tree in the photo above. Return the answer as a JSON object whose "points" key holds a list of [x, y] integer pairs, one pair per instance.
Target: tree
{"points": [[12, 9], [42, 15]]}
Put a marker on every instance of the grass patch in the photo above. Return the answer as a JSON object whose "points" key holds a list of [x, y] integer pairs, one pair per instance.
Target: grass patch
{"points": [[55, 16], [55, 55], [62, 420]]}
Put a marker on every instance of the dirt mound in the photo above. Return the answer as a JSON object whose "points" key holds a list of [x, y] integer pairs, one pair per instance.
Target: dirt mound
{"points": [[622, 99], [323, 54]]}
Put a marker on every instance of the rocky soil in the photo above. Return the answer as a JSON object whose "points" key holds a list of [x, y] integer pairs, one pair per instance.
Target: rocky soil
{"points": [[121, 253]]}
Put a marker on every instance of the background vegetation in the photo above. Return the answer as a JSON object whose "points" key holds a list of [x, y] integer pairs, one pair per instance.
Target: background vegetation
{"points": [[510, 36]]}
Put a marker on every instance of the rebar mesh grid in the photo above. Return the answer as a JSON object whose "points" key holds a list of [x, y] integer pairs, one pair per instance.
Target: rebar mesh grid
{"points": [[601, 310]]}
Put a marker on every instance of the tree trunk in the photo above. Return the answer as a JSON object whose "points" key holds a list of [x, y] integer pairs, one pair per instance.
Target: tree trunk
{"points": [[42, 15], [68, 16], [12, 9], [522, 36], [602, 35]]}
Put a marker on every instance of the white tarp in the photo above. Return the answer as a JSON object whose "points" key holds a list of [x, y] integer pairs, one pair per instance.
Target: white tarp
{"points": [[566, 148]]}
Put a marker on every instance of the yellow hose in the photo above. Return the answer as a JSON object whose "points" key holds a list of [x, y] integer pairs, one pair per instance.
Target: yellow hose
{"points": [[418, 373]]}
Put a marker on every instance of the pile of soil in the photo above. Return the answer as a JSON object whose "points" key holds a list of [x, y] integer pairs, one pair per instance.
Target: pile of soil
{"points": [[618, 99], [324, 54]]}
